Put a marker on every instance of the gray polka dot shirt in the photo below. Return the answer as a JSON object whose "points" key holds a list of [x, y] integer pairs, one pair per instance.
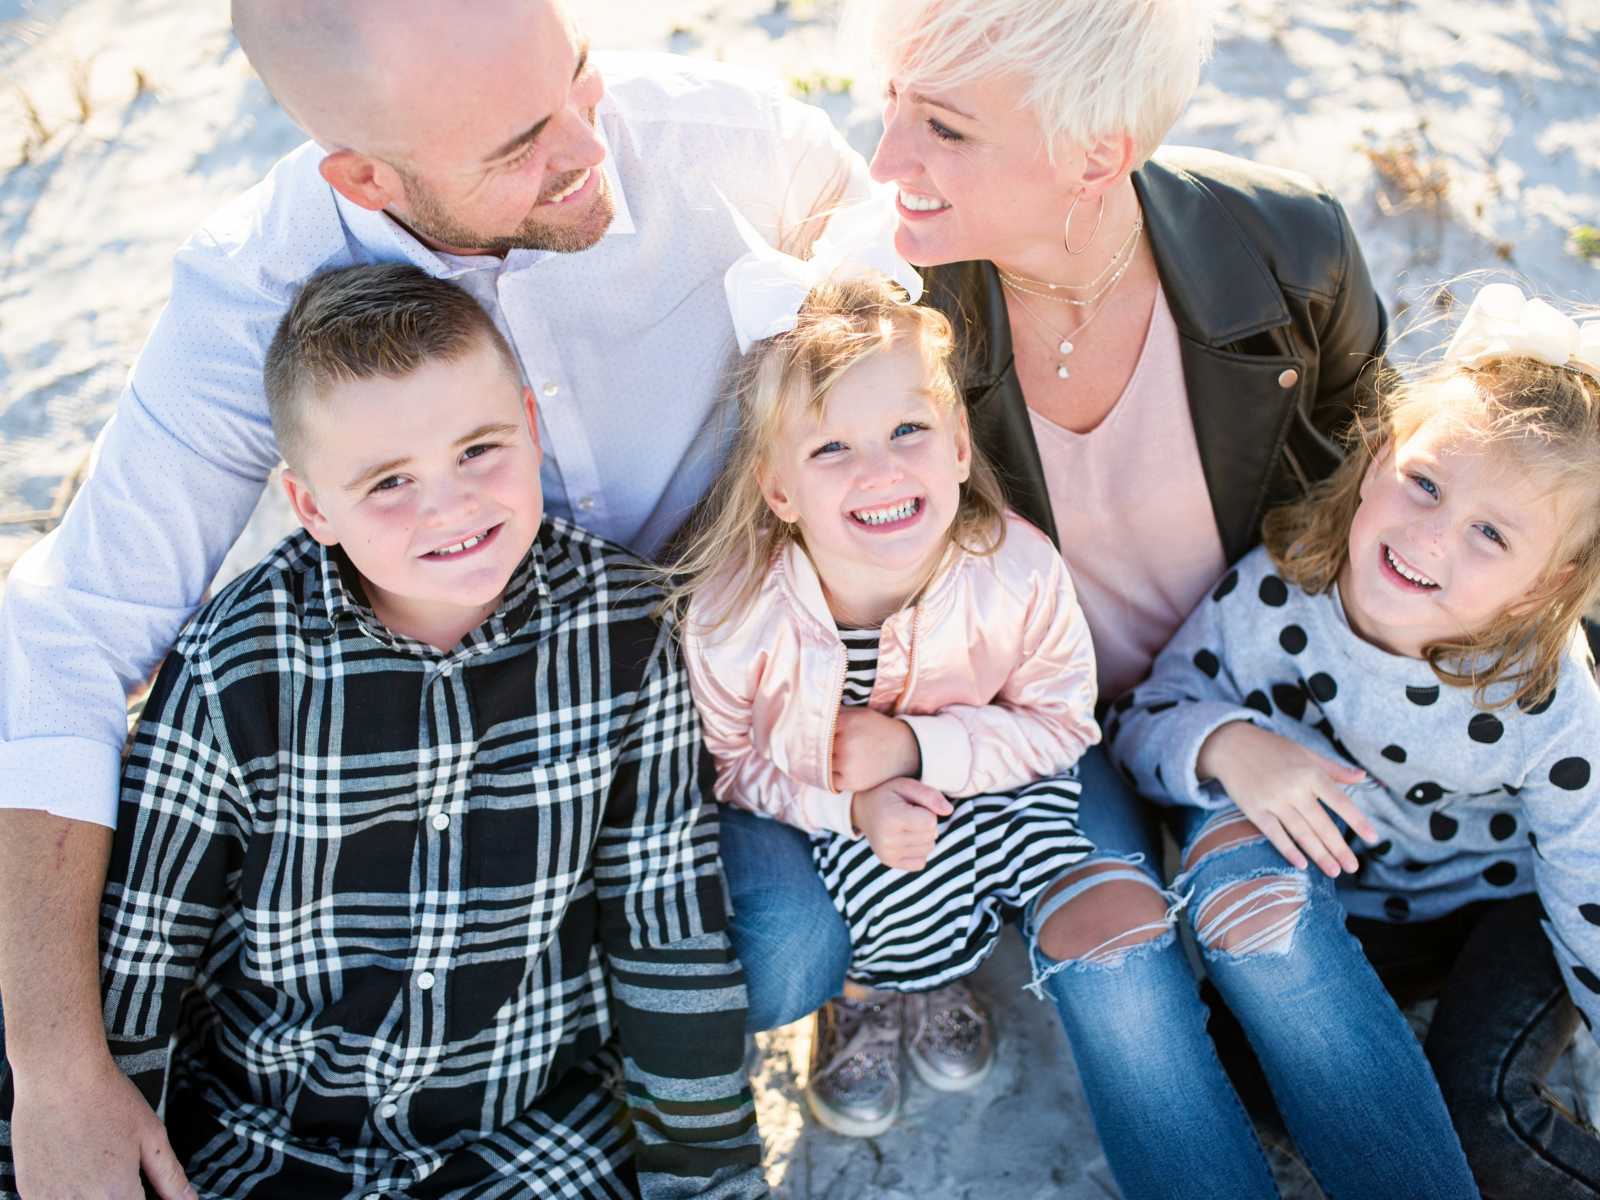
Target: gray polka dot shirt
{"points": [[1468, 804]]}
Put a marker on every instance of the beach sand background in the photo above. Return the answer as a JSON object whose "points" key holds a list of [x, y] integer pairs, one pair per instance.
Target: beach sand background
{"points": [[1461, 135]]}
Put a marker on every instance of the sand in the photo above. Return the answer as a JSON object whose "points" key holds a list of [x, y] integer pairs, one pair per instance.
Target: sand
{"points": [[1460, 135]]}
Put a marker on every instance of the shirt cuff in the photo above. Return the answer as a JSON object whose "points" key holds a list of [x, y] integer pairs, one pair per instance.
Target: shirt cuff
{"points": [[1204, 719], [74, 778], [946, 752], [831, 811]]}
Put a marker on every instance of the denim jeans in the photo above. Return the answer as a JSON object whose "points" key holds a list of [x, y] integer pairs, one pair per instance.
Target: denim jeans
{"points": [[1353, 1086], [1503, 1019], [793, 943]]}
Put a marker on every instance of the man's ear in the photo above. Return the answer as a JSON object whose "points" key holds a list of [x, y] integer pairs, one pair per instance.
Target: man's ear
{"points": [[369, 182], [307, 510]]}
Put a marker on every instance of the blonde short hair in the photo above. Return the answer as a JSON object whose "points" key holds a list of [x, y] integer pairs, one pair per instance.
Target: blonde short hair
{"points": [[841, 323], [1090, 68], [1549, 418]]}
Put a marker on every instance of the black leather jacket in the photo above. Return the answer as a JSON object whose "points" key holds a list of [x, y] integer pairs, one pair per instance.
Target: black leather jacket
{"points": [[1277, 319]]}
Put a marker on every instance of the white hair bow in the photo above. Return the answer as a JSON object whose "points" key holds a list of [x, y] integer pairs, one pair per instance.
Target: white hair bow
{"points": [[1503, 323], [766, 287]]}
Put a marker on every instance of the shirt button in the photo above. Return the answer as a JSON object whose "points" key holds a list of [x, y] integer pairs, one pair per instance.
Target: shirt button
{"points": [[447, 670], [1289, 378], [586, 504], [425, 980], [551, 389], [441, 821], [389, 1111]]}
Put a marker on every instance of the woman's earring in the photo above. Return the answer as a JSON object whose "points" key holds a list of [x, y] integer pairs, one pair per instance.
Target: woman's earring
{"points": [[1066, 234]]}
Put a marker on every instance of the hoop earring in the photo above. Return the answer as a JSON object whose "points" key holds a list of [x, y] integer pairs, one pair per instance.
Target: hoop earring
{"points": [[1066, 234]]}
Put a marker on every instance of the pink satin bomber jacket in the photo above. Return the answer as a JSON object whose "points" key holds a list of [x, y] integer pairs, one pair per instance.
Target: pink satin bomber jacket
{"points": [[992, 668]]}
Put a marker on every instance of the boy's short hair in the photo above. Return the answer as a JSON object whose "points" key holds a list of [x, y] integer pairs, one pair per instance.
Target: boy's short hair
{"points": [[382, 320]]}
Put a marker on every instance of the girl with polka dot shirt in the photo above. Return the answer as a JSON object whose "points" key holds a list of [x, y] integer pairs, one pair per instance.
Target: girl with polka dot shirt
{"points": [[1395, 690]]}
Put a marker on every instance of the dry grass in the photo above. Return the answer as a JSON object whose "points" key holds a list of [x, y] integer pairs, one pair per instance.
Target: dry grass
{"points": [[38, 131], [78, 78], [1408, 181]]}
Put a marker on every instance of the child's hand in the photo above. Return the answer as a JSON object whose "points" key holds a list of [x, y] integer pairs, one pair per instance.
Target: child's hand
{"points": [[870, 748], [1282, 787], [900, 820]]}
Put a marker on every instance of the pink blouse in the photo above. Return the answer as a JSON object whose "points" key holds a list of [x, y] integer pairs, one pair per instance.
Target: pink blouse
{"points": [[1131, 506]]}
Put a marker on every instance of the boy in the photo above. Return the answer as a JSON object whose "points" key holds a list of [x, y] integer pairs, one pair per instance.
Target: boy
{"points": [[412, 822]]}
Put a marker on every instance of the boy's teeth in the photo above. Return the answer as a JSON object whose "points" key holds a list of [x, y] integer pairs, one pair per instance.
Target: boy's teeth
{"points": [[1406, 572], [445, 551], [883, 516], [918, 203]]}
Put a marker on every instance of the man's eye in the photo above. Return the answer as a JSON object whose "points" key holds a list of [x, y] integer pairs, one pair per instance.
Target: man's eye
{"points": [[521, 156]]}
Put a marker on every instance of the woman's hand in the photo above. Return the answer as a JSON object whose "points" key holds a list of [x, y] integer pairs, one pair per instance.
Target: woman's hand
{"points": [[870, 748], [1282, 787], [900, 820]]}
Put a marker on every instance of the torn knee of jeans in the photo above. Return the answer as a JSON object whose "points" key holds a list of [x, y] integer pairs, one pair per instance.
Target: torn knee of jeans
{"points": [[1100, 919], [1257, 915], [1223, 832]]}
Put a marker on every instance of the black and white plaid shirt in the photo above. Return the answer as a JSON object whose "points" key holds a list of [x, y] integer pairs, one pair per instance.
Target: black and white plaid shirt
{"points": [[395, 903]]}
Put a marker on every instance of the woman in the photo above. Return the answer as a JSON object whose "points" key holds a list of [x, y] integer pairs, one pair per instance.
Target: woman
{"points": [[1159, 347]]}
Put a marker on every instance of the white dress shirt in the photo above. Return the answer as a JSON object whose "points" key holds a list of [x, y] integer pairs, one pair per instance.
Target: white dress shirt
{"points": [[626, 345]]}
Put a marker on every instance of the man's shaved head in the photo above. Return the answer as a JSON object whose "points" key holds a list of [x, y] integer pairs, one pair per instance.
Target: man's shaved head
{"points": [[421, 106], [345, 69]]}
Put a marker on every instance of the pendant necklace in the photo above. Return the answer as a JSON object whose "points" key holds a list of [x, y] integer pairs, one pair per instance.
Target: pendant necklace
{"points": [[1052, 337]]}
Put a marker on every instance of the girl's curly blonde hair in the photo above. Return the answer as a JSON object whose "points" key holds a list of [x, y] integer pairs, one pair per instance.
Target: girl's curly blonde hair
{"points": [[1549, 418], [841, 323]]}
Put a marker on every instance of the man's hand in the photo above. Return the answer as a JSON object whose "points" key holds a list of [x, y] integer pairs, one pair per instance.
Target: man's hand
{"points": [[900, 819], [870, 748], [1282, 787], [87, 1134]]}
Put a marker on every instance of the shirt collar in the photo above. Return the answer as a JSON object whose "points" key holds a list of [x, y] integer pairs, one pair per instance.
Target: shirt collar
{"points": [[389, 240], [339, 596]]}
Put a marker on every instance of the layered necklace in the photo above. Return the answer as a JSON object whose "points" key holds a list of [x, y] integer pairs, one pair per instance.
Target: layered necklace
{"points": [[1099, 289]]}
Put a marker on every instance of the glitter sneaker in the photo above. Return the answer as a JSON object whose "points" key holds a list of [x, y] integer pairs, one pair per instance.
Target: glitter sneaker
{"points": [[949, 1038], [854, 1088]]}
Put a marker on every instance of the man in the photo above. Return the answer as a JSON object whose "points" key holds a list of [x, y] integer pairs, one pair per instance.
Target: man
{"points": [[480, 144]]}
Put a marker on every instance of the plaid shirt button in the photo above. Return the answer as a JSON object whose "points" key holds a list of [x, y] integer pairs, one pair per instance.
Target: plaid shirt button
{"points": [[425, 980]]}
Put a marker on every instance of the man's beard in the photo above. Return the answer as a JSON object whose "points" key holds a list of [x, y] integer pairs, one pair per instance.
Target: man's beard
{"points": [[429, 219]]}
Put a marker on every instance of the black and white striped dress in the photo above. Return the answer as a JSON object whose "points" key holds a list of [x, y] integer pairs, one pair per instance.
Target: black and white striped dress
{"points": [[917, 930]]}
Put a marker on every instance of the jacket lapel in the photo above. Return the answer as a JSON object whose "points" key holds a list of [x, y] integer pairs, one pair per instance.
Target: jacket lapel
{"points": [[1221, 293]]}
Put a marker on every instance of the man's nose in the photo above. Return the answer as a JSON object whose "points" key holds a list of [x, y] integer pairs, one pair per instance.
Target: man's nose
{"points": [[580, 146]]}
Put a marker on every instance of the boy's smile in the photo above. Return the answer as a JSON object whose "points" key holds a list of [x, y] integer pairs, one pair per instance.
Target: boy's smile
{"points": [[430, 482]]}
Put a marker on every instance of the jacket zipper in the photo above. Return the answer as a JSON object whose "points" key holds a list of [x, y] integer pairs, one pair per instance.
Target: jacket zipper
{"points": [[833, 720]]}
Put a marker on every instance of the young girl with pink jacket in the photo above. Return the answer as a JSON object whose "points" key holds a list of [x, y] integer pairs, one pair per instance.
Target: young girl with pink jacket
{"points": [[883, 656]]}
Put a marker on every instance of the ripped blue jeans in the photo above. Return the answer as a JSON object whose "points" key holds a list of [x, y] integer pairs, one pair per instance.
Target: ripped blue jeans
{"points": [[1352, 1084]]}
